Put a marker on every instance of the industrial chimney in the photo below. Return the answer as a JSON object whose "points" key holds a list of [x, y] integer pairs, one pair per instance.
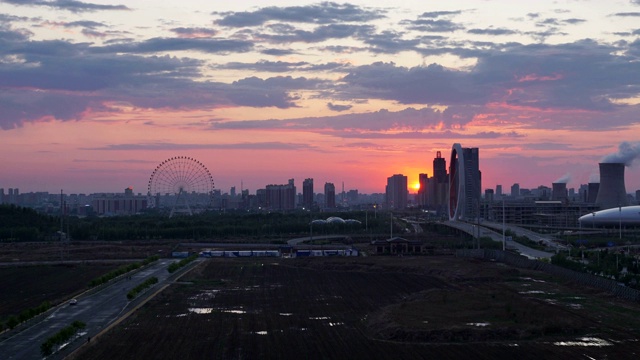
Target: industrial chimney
{"points": [[559, 191], [612, 192]]}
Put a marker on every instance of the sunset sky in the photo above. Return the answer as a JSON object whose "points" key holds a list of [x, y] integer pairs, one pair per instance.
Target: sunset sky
{"points": [[95, 94]]}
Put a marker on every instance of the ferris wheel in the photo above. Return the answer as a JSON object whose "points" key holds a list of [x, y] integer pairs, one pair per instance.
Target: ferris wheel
{"points": [[181, 183]]}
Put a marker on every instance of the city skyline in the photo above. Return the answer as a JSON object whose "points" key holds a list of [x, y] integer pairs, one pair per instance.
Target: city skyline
{"points": [[95, 94]]}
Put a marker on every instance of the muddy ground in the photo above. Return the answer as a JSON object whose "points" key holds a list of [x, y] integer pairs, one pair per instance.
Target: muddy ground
{"points": [[83, 250], [373, 308]]}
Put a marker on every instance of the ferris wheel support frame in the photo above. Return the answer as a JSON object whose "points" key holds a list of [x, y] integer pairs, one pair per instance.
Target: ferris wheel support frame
{"points": [[185, 210], [180, 180]]}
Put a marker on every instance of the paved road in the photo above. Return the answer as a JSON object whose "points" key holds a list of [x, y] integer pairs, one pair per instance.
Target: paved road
{"points": [[96, 310], [497, 236], [298, 241], [548, 239]]}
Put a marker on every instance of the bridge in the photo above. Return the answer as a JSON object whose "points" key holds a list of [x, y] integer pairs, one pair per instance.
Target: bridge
{"points": [[494, 231]]}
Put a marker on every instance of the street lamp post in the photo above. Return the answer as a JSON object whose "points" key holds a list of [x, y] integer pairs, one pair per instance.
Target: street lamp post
{"points": [[620, 219], [310, 228], [504, 239]]}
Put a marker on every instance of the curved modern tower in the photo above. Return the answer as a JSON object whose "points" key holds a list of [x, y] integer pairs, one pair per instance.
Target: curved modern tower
{"points": [[464, 183], [456, 183], [612, 192]]}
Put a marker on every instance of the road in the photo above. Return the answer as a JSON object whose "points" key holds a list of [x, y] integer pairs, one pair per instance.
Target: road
{"points": [[548, 240], [298, 241], [497, 236], [97, 310]]}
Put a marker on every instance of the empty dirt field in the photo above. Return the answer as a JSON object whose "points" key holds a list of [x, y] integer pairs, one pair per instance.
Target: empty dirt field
{"points": [[372, 308], [14, 253]]}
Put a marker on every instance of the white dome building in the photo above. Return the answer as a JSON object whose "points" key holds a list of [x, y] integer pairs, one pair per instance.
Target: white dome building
{"points": [[625, 216]]}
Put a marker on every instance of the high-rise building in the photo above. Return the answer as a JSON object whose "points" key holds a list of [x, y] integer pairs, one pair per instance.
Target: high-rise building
{"points": [[12, 197], [423, 191], [396, 192], [515, 190], [119, 204], [465, 182], [1, 195], [473, 176], [261, 197], [330, 195], [281, 197], [583, 191], [352, 197], [439, 168], [488, 195], [498, 190], [438, 186], [307, 193]]}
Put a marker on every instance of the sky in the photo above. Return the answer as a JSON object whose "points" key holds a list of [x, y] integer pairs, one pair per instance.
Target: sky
{"points": [[95, 94]]}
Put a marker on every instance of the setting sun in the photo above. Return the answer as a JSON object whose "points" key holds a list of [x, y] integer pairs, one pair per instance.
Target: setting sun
{"points": [[416, 186]]}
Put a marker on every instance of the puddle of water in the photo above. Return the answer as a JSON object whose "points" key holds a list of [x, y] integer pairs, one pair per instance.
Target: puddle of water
{"points": [[210, 310], [320, 318], [336, 324], [234, 311], [286, 314], [201, 310], [533, 292], [575, 306], [585, 341], [205, 295], [261, 332], [479, 324]]}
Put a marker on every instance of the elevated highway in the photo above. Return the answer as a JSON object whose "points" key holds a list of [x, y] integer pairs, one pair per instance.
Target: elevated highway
{"points": [[495, 233]]}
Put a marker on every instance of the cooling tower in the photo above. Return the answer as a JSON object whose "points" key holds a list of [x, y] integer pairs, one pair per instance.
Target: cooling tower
{"points": [[559, 191], [612, 192], [592, 192]]}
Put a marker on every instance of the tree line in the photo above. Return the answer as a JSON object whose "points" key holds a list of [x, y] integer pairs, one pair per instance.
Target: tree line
{"points": [[22, 224]]}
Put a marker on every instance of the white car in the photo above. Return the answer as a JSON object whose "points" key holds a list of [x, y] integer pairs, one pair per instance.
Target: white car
{"points": [[73, 302]]}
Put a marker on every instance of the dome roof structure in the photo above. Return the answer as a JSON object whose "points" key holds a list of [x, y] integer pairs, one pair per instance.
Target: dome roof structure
{"points": [[625, 216], [335, 220]]}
